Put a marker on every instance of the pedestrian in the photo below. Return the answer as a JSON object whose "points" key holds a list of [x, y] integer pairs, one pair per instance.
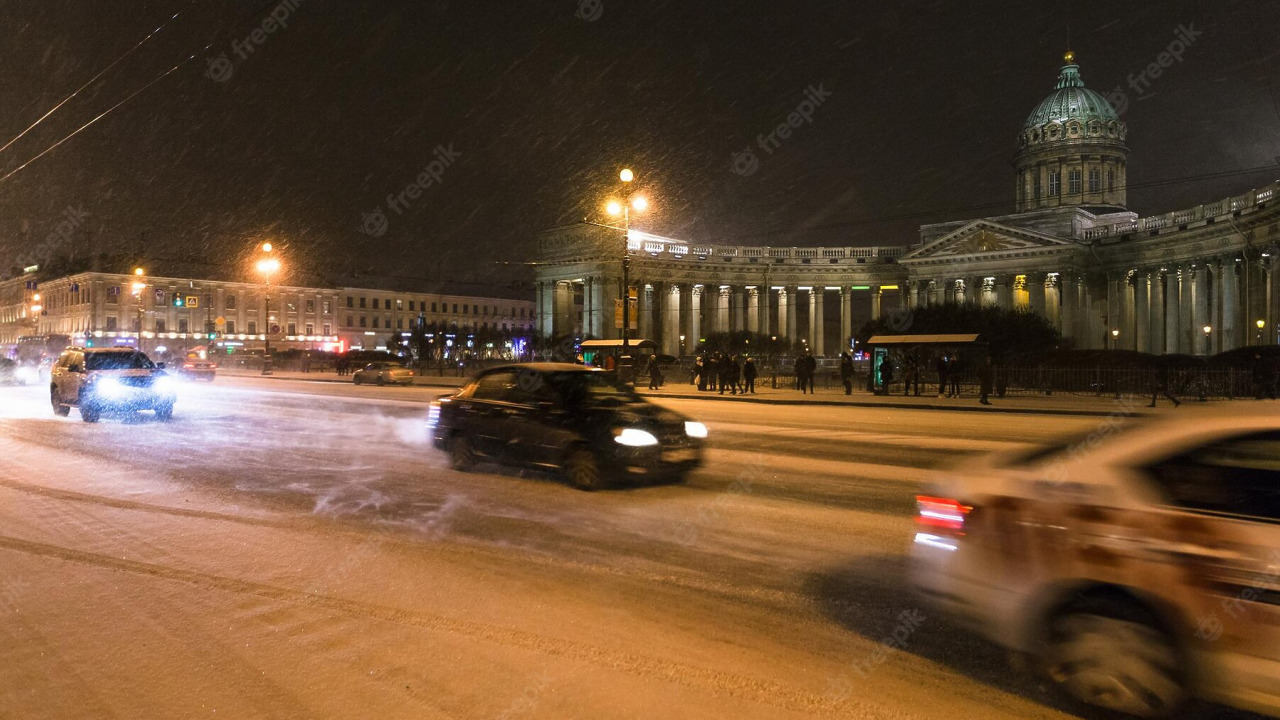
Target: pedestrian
{"points": [[1160, 386], [713, 371], [810, 369], [655, 373], [798, 368], [732, 375], [695, 370], [986, 379], [749, 375], [911, 376], [846, 372], [886, 372], [703, 370], [941, 367], [954, 370]]}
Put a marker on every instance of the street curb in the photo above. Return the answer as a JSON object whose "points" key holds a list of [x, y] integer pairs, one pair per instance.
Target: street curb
{"points": [[902, 406], [338, 382]]}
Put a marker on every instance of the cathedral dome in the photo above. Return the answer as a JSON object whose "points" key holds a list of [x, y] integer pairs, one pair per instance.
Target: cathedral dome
{"points": [[1072, 111]]}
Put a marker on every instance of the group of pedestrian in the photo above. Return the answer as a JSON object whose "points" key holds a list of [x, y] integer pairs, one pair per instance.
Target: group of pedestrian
{"points": [[343, 364], [719, 372], [949, 371], [806, 367]]}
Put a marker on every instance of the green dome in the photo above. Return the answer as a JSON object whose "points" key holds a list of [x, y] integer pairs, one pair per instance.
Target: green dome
{"points": [[1071, 100]]}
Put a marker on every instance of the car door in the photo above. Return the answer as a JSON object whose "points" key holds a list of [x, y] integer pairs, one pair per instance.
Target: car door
{"points": [[537, 421], [73, 377], [1227, 492], [487, 414]]}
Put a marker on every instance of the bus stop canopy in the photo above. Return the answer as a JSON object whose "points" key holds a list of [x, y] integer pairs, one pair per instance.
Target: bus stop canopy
{"points": [[614, 344], [922, 339]]}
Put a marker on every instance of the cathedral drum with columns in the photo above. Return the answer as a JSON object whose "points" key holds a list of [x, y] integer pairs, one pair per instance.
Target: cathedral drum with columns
{"points": [[1194, 281]]}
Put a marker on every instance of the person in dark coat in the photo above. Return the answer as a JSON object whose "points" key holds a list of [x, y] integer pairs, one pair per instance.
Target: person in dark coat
{"points": [[846, 372], [911, 376], [749, 375], [942, 366], [655, 373], [1160, 386], [954, 369], [810, 369], [986, 379], [732, 373], [886, 372], [798, 366], [713, 371]]}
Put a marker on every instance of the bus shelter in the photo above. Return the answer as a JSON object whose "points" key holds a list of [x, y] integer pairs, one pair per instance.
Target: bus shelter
{"points": [[921, 347]]}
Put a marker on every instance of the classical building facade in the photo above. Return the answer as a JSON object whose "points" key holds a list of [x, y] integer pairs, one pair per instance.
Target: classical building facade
{"points": [[1195, 281], [179, 312]]}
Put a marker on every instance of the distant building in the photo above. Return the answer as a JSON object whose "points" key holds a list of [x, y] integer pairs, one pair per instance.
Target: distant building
{"points": [[177, 313]]}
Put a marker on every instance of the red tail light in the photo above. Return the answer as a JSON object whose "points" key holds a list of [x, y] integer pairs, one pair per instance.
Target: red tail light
{"points": [[943, 514]]}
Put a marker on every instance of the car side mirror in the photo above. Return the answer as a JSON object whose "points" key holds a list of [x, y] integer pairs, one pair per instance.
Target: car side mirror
{"points": [[160, 366]]}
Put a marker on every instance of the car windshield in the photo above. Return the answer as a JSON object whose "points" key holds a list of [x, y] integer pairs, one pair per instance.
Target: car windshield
{"points": [[117, 361], [579, 388]]}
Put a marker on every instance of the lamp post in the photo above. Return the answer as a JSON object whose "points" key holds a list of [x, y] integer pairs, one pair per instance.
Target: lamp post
{"points": [[624, 208], [139, 299], [1261, 324], [1207, 329], [268, 265], [1115, 338]]}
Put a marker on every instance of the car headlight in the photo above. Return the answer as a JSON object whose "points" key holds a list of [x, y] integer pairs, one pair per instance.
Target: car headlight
{"points": [[163, 384], [634, 437], [27, 375], [433, 414], [110, 387], [695, 429]]}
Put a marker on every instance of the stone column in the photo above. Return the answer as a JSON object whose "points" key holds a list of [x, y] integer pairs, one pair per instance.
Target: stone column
{"points": [[753, 311], [792, 330], [1035, 293], [539, 290], [645, 309], [912, 286], [1128, 312], [1272, 278], [1142, 311], [671, 318], [696, 294], [1004, 291], [783, 330], [740, 321], [589, 307], [876, 296], [846, 316], [1155, 313], [1173, 311], [1231, 321], [1200, 308], [723, 301], [816, 334]]}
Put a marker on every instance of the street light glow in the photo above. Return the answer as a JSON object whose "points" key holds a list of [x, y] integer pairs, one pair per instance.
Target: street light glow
{"points": [[138, 272], [1261, 324], [626, 175], [266, 247], [614, 207], [268, 266], [1207, 329], [640, 204]]}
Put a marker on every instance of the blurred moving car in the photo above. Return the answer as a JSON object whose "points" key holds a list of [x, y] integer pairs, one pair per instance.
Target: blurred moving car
{"points": [[1139, 568], [568, 418], [381, 373], [195, 369], [109, 380], [8, 371]]}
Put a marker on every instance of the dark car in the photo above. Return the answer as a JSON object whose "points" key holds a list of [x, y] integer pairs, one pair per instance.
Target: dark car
{"points": [[110, 380], [575, 420], [195, 369]]}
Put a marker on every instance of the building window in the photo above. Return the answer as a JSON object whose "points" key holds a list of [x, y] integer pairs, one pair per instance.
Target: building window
{"points": [[160, 325], [363, 321], [362, 302], [386, 304], [350, 322], [326, 307], [231, 327], [311, 306], [311, 329], [328, 330], [1095, 180], [1073, 182], [399, 323], [400, 305], [183, 327], [375, 322], [253, 327], [293, 329], [111, 324], [455, 308], [433, 307], [1111, 180], [1037, 185], [1055, 181], [350, 301], [410, 306]]}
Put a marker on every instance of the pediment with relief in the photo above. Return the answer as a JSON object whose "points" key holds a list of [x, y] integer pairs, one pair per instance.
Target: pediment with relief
{"points": [[984, 238]]}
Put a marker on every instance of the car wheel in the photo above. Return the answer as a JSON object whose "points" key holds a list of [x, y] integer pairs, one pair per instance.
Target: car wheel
{"points": [[382, 380], [1118, 661], [164, 412], [581, 469], [90, 413], [356, 380], [461, 455], [58, 408]]}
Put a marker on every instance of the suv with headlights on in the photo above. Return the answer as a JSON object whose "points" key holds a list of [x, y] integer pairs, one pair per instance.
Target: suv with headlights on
{"points": [[109, 380], [568, 418]]}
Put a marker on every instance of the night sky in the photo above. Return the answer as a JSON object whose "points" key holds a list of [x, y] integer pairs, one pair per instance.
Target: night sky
{"points": [[542, 102]]}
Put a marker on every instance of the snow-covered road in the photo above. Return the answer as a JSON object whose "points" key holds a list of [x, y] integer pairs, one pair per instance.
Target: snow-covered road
{"points": [[287, 549]]}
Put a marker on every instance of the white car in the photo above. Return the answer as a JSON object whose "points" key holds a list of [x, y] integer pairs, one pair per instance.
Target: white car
{"points": [[381, 373], [1138, 566]]}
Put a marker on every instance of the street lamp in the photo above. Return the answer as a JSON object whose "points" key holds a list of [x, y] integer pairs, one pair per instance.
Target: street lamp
{"points": [[137, 286], [1207, 329], [1115, 338], [1261, 324], [624, 207], [268, 265], [682, 346]]}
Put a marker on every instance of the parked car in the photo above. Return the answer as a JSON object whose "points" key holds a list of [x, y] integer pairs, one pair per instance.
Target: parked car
{"points": [[109, 380], [1139, 568], [197, 370], [568, 418], [382, 373]]}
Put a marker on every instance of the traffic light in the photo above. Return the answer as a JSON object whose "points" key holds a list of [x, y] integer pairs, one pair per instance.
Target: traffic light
{"points": [[177, 300]]}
